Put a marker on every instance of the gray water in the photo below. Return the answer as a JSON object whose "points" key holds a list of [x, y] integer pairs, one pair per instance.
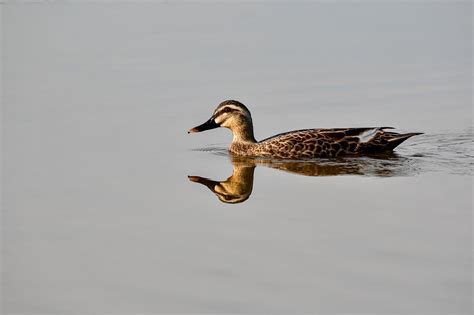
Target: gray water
{"points": [[102, 210]]}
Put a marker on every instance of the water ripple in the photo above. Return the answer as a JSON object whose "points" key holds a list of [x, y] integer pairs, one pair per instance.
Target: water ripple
{"points": [[449, 152]]}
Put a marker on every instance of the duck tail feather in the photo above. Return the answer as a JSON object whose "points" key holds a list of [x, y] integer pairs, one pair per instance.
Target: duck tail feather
{"points": [[399, 138]]}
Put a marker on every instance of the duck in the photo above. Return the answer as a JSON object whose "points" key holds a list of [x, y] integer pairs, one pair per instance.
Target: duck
{"points": [[299, 144]]}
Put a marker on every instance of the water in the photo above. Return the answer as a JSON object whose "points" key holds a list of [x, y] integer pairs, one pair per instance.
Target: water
{"points": [[109, 206]]}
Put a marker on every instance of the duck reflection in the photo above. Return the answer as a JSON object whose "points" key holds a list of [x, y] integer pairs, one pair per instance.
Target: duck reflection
{"points": [[235, 189], [238, 187]]}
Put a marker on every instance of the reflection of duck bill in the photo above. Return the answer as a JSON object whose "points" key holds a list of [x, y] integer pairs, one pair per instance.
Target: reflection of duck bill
{"points": [[205, 181]]}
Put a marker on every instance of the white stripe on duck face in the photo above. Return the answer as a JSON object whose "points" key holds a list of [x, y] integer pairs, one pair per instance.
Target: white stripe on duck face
{"points": [[227, 109], [368, 135], [220, 115]]}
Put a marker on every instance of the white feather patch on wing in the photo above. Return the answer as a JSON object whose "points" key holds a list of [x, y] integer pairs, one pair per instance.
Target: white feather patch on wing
{"points": [[368, 135]]}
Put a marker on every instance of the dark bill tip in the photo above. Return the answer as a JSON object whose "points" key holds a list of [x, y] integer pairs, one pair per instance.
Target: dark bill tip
{"points": [[210, 124], [195, 179]]}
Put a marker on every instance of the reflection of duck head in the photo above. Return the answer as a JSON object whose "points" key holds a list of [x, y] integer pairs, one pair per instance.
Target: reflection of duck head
{"points": [[238, 187], [235, 189]]}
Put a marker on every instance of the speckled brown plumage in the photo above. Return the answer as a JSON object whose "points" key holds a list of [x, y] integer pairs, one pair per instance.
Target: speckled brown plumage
{"points": [[300, 144], [321, 143]]}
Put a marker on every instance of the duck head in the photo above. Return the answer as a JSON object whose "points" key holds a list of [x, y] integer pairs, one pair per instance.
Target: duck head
{"points": [[234, 116]]}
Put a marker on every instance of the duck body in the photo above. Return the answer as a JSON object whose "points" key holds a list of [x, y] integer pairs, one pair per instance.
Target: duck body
{"points": [[323, 143], [300, 144]]}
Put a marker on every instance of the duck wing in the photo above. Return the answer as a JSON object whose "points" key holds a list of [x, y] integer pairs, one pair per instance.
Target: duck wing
{"points": [[336, 133]]}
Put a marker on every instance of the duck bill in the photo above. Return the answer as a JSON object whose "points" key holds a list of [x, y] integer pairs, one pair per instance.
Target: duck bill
{"points": [[208, 125]]}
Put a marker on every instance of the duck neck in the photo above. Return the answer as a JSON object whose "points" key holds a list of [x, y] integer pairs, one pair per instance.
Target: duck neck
{"points": [[241, 180], [243, 133]]}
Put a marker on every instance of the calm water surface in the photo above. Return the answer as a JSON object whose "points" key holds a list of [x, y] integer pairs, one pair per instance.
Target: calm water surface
{"points": [[109, 206]]}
